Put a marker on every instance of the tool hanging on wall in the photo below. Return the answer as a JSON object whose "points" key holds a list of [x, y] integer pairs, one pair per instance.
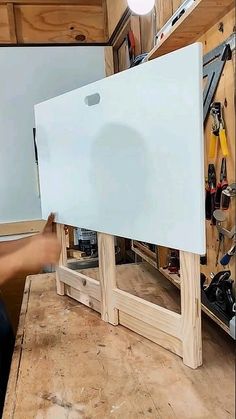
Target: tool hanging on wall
{"points": [[220, 217], [218, 133], [230, 191], [213, 65], [173, 262], [227, 257], [210, 194], [218, 295], [222, 200], [131, 44]]}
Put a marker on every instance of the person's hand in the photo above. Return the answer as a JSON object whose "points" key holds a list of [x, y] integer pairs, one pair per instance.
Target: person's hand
{"points": [[49, 224], [42, 249]]}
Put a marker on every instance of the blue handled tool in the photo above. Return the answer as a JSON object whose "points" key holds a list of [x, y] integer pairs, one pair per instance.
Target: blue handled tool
{"points": [[227, 257]]}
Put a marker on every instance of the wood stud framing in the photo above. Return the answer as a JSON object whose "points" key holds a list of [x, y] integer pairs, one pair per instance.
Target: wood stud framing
{"points": [[60, 230], [191, 309], [107, 276], [179, 333]]}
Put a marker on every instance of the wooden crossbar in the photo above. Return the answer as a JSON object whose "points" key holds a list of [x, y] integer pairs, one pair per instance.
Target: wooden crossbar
{"points": [[179, 333]]}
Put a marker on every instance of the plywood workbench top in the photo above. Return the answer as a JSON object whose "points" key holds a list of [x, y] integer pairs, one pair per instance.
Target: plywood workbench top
{"points": [[69, 364]]}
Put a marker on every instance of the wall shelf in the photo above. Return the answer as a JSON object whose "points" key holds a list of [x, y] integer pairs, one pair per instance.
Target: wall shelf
{"points": [[195, 22], [174, 278]]}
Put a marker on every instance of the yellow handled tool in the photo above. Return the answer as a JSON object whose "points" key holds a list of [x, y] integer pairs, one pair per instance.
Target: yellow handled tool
{"points": [[223, 141], [218, 131], [213, 146]]}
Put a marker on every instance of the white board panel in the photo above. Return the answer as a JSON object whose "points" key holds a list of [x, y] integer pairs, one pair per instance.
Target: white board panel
{"points": [[29, 75], [132, 165]]}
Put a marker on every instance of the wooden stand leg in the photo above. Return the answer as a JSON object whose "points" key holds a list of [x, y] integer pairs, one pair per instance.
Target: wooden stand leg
{"points": [[191, 309], [60, 229], [107, 274]]}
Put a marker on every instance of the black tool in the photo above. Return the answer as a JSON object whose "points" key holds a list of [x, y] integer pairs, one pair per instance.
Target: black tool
{"points": [[210, 194], [220, 244], [220, 294], [35, 146], [213, 65], [222, 199]]}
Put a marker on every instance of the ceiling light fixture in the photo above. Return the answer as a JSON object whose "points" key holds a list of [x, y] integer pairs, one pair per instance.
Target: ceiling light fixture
{"points": [[141, 7]]}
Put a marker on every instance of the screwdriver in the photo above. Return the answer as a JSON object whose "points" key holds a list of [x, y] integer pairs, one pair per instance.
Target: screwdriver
{"points": [[227, 257]]}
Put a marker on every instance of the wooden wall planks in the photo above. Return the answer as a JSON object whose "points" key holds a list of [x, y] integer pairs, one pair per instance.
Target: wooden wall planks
{"points": [[54, 21], [57, 2], [59, 24], [115, 10], [225, 95], [5, 36], [210, 40], [149, 25]]}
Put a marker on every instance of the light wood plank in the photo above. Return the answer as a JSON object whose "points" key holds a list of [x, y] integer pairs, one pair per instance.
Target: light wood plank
{"points": [[43, 2], [174, 278], [115, 10], [176, 4], [197, 20], [148, 31], [143, 255], [59, 23], [164, 12], [158, 317], [155, 335], [5, 37], [109, 61], [23, 227], [191, 309], [80, 282], [123, 56], [82, 298], [135, 27], [12, 23], [107, 276], [60, 231], [105, 20], [68, 354]]}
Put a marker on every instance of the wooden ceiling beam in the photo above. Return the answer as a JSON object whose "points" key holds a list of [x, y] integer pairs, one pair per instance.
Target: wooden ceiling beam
{"points": [[59, 2]]}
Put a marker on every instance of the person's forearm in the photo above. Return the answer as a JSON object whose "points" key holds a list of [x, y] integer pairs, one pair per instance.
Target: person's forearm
{"points": [[10, 265], [10, 246]]}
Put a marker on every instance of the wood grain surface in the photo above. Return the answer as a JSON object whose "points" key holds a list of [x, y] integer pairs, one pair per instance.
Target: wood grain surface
{"points": [[70, 364], [59, 23]]}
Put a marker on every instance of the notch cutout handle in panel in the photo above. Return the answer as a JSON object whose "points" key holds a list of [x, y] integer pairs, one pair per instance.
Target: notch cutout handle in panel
{"points": [[92, 100]]}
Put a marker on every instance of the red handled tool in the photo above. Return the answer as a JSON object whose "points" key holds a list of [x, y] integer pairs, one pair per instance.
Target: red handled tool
{"points": [[210, 194], [222, 200]]}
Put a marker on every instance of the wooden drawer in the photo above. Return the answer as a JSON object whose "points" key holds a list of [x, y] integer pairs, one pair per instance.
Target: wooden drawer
{"points": [[4, 26], [59, 23]]}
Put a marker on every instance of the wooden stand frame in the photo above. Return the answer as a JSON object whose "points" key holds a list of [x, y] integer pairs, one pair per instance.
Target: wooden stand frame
{"points": [[179, 333]]}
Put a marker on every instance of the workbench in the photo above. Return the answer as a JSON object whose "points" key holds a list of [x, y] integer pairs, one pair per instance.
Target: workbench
{"points": [[68, 363]]}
